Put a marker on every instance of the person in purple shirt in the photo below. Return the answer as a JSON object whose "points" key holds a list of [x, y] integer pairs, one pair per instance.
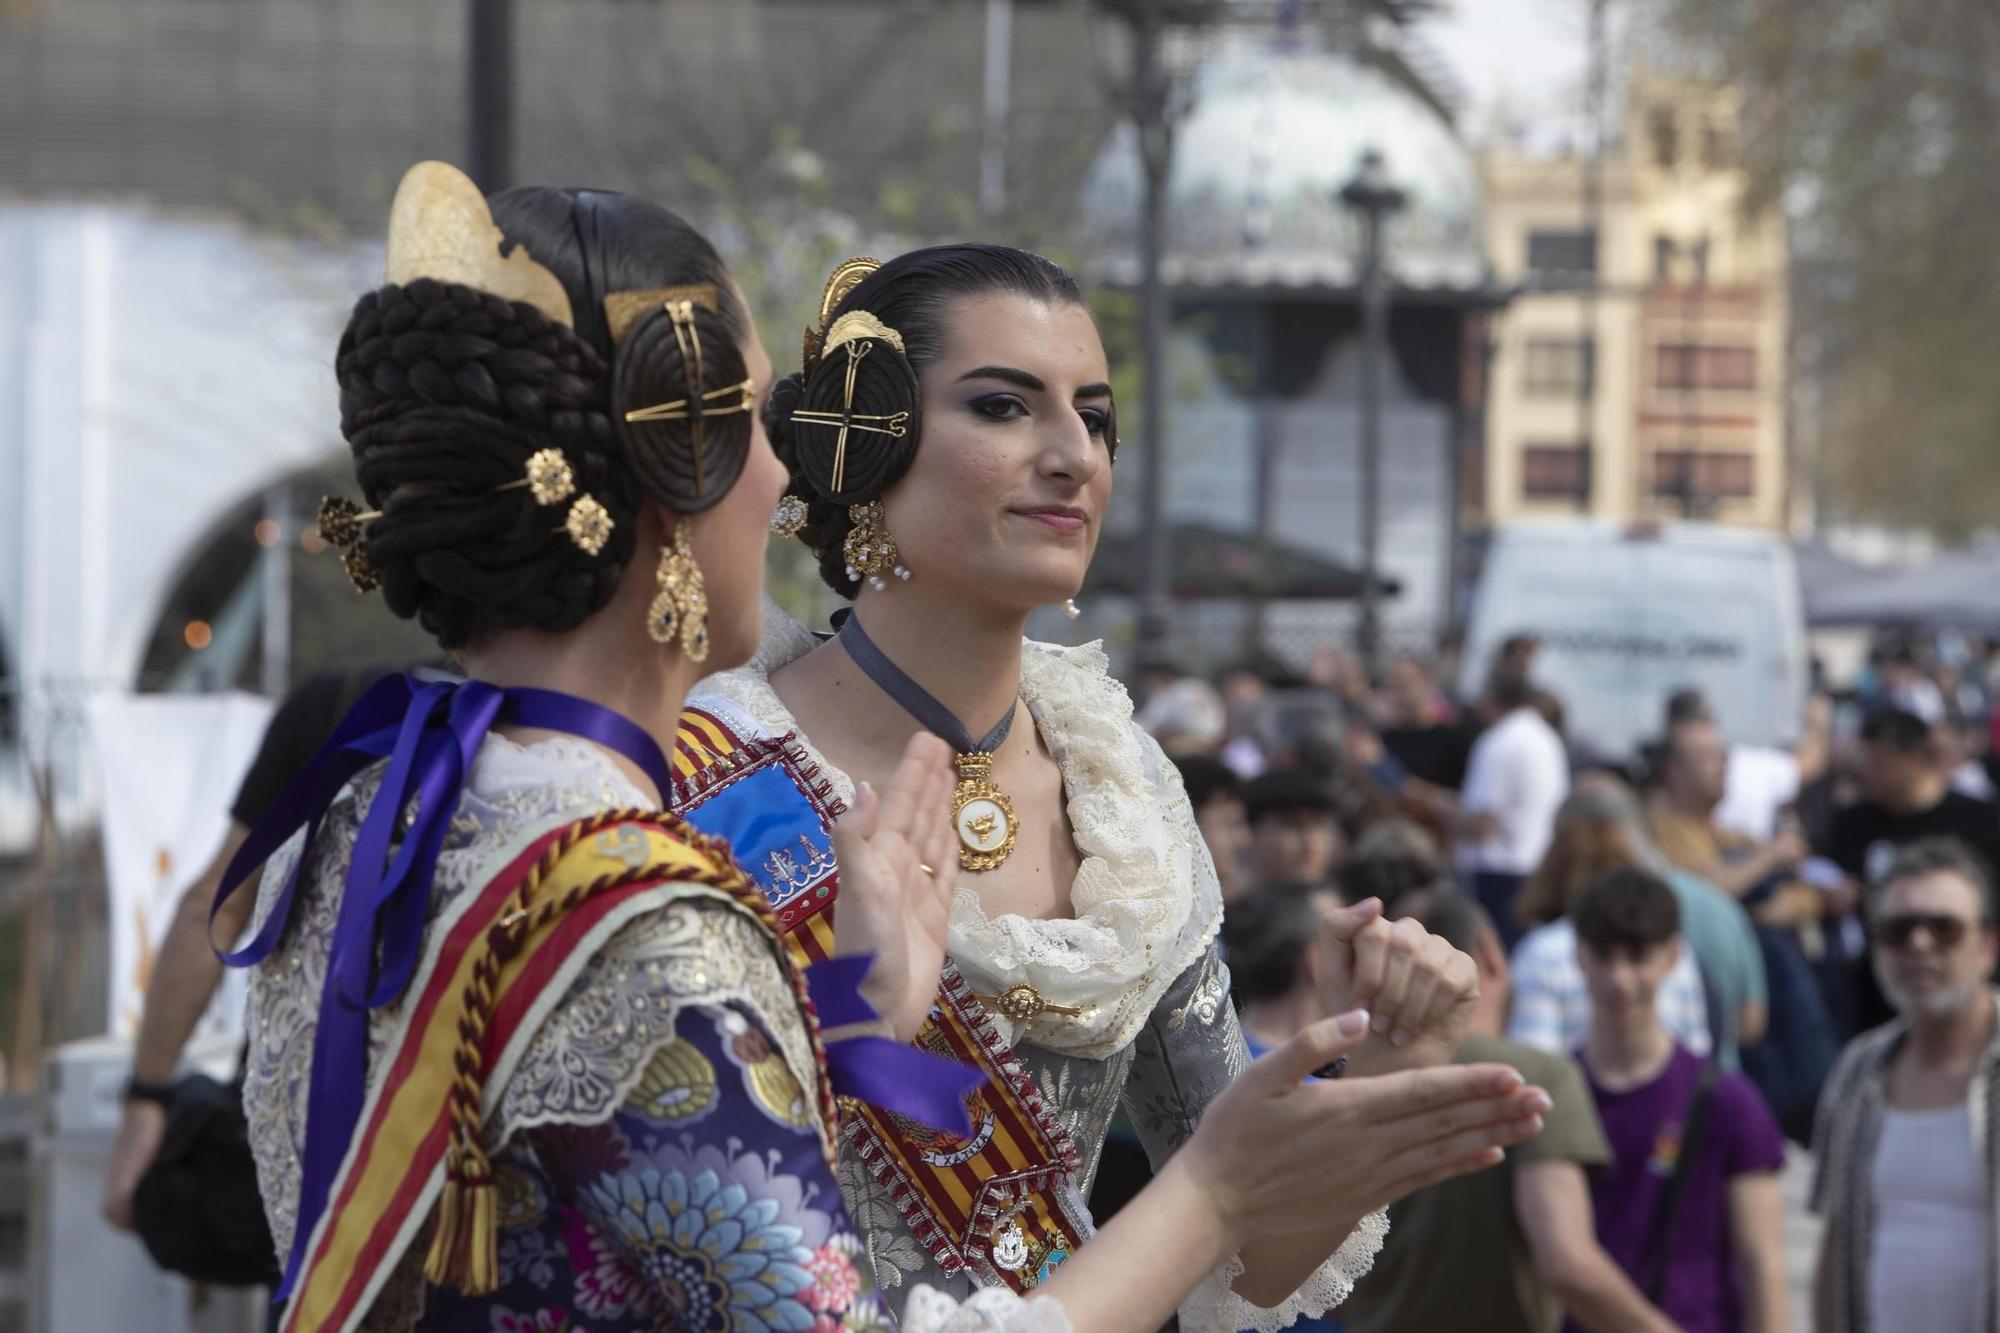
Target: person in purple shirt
{"points": [[1689, 1203]]}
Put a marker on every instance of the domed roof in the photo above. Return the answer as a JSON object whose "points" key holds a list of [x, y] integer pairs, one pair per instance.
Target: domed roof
{"points": [[1273, 131]]}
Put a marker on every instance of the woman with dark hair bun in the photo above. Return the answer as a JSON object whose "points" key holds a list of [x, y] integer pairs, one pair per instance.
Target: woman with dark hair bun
{"points": [[527, 1053], [951, 438]]}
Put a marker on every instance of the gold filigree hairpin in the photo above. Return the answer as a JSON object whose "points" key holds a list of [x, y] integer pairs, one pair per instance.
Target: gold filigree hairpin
{"points": [[551, 480], [589, 525], [548, 477], [340, 522], [846, 276], [693, 408]]}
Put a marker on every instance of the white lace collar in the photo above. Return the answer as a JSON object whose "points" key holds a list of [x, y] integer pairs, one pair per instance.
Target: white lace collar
{"points": [[1146, 898]]}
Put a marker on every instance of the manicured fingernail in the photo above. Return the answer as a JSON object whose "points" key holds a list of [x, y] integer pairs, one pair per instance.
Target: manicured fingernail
{"points": [[1541, 1102], [1514, 1078], [1382, 1024], [1399, 1038], [1532, 1125], [864, 791], [1352, 1023]]}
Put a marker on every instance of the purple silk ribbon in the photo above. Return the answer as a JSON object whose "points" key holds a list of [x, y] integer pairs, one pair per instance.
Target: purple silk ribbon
{"points": [[430, 732], [886, 1074]]}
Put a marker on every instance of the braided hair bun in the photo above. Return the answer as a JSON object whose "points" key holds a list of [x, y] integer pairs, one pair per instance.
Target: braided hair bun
{"points": [[447, 392]]}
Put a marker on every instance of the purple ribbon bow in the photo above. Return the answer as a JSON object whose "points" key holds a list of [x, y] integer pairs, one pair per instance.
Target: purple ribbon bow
{"points": [[886, 1074]]}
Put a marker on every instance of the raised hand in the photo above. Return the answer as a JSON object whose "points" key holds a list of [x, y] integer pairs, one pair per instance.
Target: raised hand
{"points": [[898, 858], [1352, 1145], [1419, 989]]}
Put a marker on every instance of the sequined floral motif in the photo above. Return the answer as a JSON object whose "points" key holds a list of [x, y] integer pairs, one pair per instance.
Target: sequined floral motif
{"points": [[723, 1257]]}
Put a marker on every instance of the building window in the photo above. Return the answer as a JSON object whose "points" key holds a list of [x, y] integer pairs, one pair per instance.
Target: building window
{"points": [[1664, 251], [1665, 135], [1686, 474], [1556, 472], [1559, 367], [1562, 258], [1685, 366]]}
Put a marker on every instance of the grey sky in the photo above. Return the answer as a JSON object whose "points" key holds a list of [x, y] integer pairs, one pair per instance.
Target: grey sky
{"points": [[1522, 60]]}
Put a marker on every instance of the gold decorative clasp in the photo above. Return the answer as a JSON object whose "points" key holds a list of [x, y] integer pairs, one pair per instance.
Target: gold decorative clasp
{"points": [[1025, 1004]]}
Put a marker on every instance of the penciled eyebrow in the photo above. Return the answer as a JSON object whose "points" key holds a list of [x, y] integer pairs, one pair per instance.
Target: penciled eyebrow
{"points": [[1022, 379]]}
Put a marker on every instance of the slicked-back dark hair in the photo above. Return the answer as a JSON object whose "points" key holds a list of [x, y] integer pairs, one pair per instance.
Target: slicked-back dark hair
{"points": [[912, 294]]}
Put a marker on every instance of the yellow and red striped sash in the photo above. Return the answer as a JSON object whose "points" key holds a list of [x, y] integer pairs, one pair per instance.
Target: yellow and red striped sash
{"points": [[492, 971], [1002, 1207]]}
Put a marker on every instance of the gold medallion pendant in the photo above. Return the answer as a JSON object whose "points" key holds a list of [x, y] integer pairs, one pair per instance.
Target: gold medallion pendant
{"points": [[982, 815]]}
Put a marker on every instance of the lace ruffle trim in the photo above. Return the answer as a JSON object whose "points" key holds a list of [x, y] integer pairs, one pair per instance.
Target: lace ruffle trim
{"points": [[1214, 1306]]}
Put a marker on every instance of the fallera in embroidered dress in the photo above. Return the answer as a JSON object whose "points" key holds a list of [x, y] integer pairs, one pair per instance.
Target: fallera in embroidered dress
{"points": [[1139, 958], [657, 1152]]}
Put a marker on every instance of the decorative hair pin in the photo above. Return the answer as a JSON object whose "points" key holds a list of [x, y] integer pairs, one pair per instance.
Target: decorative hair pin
{"points": [[340, 522], [549, 477], [551, 481], [588, 525], [791, 516], [846, 276], [694, 407], [855, 331]]}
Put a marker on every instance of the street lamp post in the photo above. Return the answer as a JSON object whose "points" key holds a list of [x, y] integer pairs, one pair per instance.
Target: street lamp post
{"points": [[489, 93], [1373, 199], [1156, 155]]}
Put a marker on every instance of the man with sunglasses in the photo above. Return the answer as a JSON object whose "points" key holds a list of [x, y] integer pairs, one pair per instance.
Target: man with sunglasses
{"points": [[1906, 1172]]}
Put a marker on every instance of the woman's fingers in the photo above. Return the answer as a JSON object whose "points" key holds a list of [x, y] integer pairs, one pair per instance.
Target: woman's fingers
{"points": [[1437, 1124], [1406, 938], [1313, 1048], [1427, 1163], [1387, 1097], [1426, 976], [912, 784], [863, 817], [1370, 945]]}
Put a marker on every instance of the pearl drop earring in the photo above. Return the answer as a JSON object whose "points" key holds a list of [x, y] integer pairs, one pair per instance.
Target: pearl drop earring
{"points": [[1070, 609]]}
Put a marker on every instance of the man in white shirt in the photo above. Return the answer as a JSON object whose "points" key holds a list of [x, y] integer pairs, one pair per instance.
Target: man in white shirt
{"points": [[1515, 782], [1906, 1172]]}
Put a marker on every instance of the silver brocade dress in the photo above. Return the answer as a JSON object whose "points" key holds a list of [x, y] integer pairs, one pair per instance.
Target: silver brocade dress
{"points": [[1158, 1036]]}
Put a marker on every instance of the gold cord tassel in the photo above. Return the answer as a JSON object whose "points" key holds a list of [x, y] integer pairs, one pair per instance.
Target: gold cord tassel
{"points": [[465, 1252]]}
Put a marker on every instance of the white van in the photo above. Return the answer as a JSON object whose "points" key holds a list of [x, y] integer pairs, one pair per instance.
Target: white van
{"points": [[1627, 615]]}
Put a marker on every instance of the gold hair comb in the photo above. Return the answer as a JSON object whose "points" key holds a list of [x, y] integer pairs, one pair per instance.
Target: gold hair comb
{"points": [[694, 408]]}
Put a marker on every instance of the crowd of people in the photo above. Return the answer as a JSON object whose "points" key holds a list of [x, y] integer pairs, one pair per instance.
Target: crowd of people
{"points": [[1701, 951]]}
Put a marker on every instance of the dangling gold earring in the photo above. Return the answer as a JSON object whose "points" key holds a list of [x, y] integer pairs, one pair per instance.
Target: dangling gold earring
{"points": [[680, 611], [869, 548]]}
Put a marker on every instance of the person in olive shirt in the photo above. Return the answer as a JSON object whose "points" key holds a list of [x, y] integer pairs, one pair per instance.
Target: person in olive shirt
{"points": [[1507, 1250]]}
